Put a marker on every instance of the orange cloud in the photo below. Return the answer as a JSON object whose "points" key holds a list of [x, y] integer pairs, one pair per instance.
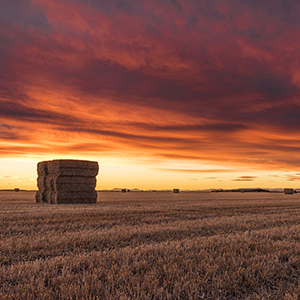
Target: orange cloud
{"points": [[178, 81]]}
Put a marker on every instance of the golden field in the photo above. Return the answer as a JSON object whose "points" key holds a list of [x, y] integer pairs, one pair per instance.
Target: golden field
{"points": [[144, 245]]}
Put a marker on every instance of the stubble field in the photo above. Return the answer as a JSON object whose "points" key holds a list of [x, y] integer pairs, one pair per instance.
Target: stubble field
{"points": [[151, 246]]}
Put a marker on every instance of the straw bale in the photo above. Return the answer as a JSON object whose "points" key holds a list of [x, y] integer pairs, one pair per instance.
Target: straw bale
{"points": [[40, 196], [73, 197], [49, 183], [67, 181], [58, 164], [74, 179], [76, 194], [74, 172], [52, 197], [49, 166], [74, 187], [41, 182], [76, 183], [48, 196], [42, 168]]}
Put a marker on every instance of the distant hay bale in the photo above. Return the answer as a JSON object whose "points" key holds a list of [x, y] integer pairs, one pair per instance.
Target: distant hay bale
{"points": [[176, 191], [67, 181], [289, 191]]}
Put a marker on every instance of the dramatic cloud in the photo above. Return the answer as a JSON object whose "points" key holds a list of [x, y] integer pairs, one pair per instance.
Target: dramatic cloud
{"points": [[200, 81]]}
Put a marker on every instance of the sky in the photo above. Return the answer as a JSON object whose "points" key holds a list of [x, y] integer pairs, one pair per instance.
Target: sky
{"points": [[191, 94]]}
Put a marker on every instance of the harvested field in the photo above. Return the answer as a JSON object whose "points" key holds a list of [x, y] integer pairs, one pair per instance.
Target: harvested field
{"points": [[151, 246]]}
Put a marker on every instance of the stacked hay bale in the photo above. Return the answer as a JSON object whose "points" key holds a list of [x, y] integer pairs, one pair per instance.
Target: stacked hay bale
{"points": [[42, 171], [67, 181]]}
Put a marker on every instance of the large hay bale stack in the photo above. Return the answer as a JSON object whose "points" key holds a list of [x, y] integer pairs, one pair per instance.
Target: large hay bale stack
{"points": [[67, 181]]}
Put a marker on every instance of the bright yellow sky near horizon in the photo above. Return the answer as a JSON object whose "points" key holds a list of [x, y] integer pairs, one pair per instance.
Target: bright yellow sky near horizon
{"points": [[117, 173]]}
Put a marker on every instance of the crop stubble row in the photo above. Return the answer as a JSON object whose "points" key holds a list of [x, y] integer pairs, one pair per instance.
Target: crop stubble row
{"points": [[149, 252]]}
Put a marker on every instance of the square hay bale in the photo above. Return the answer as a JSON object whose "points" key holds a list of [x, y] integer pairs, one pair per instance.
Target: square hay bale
{"points": [[75, 163], [68, 197], [289, 191], [40, 196], [72, 164], [49, 183], [67, 181], [74, 172], [42, 168], [75, 183], [41, 182], [48, 194]]}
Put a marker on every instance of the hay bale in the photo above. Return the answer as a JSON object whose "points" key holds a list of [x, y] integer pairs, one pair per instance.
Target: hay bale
{"points": [[56, 165], [71, 197], [75, 194], [75, 163], [49, 183], [42, 168], [75, 179], [74, 172], [52, 197], [41, 182], [289, 191], [40, 196], [48, 196], [67, 181], [70, 183]]}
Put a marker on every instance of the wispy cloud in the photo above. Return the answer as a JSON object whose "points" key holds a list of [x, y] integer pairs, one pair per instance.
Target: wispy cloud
{"points": [[245, 178], [293, 178]]}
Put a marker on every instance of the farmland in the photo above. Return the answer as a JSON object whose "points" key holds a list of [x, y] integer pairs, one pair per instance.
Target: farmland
{"points": [[151, 246]]}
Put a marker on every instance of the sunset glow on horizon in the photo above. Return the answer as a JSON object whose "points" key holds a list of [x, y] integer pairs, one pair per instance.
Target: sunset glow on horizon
{"points": [[188, 94]]}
